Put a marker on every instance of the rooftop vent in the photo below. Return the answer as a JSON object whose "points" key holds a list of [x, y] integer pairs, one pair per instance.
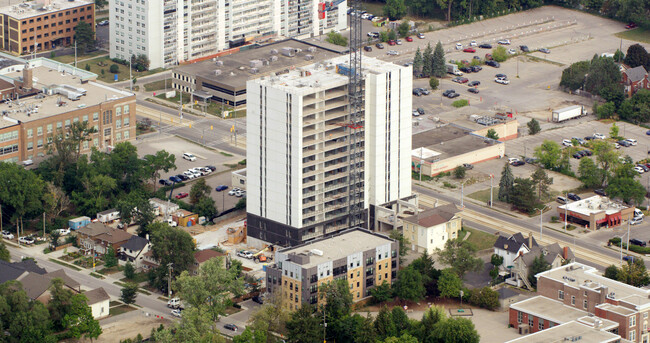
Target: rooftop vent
{"points": [[309, 57], [274, 51], [316, 252], [254, 70], [273, 58], [219, 63], [289, 52], [311, 49], [217, 72], [256, 64]]}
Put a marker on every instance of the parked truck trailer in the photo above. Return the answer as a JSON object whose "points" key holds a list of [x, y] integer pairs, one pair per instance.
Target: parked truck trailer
{"points": [[453, 69], [567, 113]]}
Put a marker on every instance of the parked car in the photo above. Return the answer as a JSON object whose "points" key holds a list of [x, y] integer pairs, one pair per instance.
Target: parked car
{"points": [[578, 155], [567, 142], [573, 197], [476, 69], [587, 152], [453, 95], [174, 303], [240, 193], [392, 53], [465, 69], [7, 235], [177, 313], [501, 76], [182, 177], [598, 136], [103, 23], [512, 51], [502, 81], [232, 327], [485, 46], [398, 42], [468, 166], [165, 182], [639, 170], [190, 175], [530, 160], [63, 232], [258, 299], [512, 160], [233, 191], [367, 48], [245, 254], [188, 156], [637, 241], [600, 191], [26, 240], [425, 91], [472, 50], [624, 143], [545, 50], [420, 111], [459, 46], [524, 48], [632, 141], [562, 200], [392, 42], [416, 113], [474, 83], [409, 39], [504, 42], [643, 166], [447, 92], [580, 140], [181, 195], [379, 46], [421, 35], [473, 90], [494, 64], [628, 258], [635, 221], [630, 26], [518, 163], [213, 168], [221, 188]]}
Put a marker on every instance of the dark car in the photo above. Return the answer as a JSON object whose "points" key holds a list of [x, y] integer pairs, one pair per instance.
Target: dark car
{"points": [[473, 90], [578, 155], [232, 327], [417, 92], [628, 258], [624, 143], [367, 48], [588, 138], [165, 182], [600, 191], [213, 168], [468, 166], [476, 69], [453, 95], [587, 152], [518, 163], [494, 64], [524, 48], [530, 160], [175, 179], [573, 196], [637, 242], [474, 83], [465, 69], [501, 76], [447, 92], [258, 299], [221, 188], [379, 46], [644, 167], [182, 177], [485, 46], [420, 110]]}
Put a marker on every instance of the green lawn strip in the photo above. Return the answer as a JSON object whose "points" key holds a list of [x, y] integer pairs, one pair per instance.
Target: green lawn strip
{"points": [[139, 277], [638, 34], [481, 240], [140, 290], [93, 274], [484, 195], [64, 264], [98, 64], [158, 85], [115, 311], [70, 58]]}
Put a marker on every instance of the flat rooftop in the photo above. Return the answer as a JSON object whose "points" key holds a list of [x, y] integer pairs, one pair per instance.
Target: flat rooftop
{"points": [[565, 332], [447, 141], [550, 309], [36, 8], [48, 105], [235, 69], [342, 245], [594, 204], [579, 276]]}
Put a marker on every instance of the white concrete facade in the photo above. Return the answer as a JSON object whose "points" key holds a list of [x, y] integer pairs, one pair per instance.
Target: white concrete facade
{"points": [[299, 175]]}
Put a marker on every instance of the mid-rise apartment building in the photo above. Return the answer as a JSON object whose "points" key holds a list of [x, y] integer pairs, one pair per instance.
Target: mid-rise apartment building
{"points": [[174, 31], [363, 258], [298, 148], [43, 24], [41, 98], [577, 286]]}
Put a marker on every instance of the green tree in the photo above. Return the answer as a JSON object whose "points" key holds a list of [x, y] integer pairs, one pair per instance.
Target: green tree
{"points": [[506, 184], [449, 284], [110, 260], [129, 271], [418, 61], [607, 158], [539, 265], [499, 54], [606, 110], [114, 69], [85, 36], [170, 245], [637, 56], [140, 63], [271, 316], [129, 293], [637, 108], [395, 9], [533, 127], [384, 324], [59, 304], [199, 191], [54, 239], [459, 172], [443, 4], [100, 4], [55, 201], [573, 77], [424, 266], [434, 83], [438, 66], [403, 243], [383, 36], [523, 195], [304, 327], [427, 57], [589, 173], [206, 207], [338, 299], [614, 131], [496, 260], [492, 134], [366, 332], [455, 330], [627, 189], [400, 319], [634, 273], [403, 29], [603, 78], [392, 35], [21, 192], [409, 285], [619, 56], [542, 182], [212, 288], [79, 320], [155, 163], [460, 256], [336, 38], [381, 293], [195, 326], [4, 253], [23, 320], [611, 272], [549, 154], [405, 338], [250, 336], [485, 297]]}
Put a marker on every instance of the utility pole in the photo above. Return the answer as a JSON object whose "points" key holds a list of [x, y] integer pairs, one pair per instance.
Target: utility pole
{"points": [[421, 164], [628, 235], [43, 224], [130, 75], [75, 53], [491, 188], [169, 281], [235, 115]]}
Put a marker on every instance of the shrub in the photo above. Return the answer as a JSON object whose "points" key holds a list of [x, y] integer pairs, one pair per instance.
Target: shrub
{"points": [[114, 69], [434, 83], [448, 185], [499, 54], [460, 103], [87, 67], [459, 172]]}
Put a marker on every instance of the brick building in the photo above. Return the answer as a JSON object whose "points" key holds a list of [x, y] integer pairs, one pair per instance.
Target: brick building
{"points": [[363, 258], [42, 24], [634, 79], [580, 287], [47, 97]]}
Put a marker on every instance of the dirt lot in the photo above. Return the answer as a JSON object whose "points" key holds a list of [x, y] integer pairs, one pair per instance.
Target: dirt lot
{"points": [[129, 327]]}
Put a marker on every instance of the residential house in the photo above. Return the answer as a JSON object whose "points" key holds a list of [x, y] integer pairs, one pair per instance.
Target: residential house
{"points": [[431, 229], [98, 237], [553, 254], [37, 286], [13, 271], [202, 256], [77, 223], [149, 262], [99, 302], [511, 247], [108, 215], [634, 79], [134, 249]]}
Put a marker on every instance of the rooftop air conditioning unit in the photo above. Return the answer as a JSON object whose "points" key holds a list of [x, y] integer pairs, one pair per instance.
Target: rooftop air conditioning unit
{"points": [[316, 252], [217, 72], [273, 58], [219, 63], [311, 49]]}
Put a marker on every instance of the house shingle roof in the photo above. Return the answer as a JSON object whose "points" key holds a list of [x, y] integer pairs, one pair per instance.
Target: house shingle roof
{"points": [[96, 295], [104, 232], [513, 243], [12, 271], [549, 252], [636, 74], [135, 243], [434, 216], [204, 255]]}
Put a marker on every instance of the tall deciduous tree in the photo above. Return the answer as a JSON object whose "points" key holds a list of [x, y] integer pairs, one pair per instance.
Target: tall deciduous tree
{"points": [[4, 253], [271, 316], [589, 173], [549, 154], [438, 66], [634, 273], [395, 9], [573, 77], [21, 191], [456, 330], [24, 320], [627, 189], [384, 324], [542, 182], [304, 327], [409, 284], [110, 259], [160, 161], [170, 245], [338, 299], [506, 183], [449, 284], [448, 4], [539, 265], [79, 321], [460, 256], [198, 191], [637, 56]]}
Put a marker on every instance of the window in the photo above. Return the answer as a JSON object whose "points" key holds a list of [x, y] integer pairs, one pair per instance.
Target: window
{"points": [[118, 111], [531, 321], [126, 121], [96, 116], [573, 300], [30, 133], [560, 295], [39, 143], [645, 315], [30, 145], [85, 144], [540, 324], [67, 123], [59, 125], [39, 131], [85, 118], [49, 128], [585, 304], [126, 135], [96, 142], [75, 120], [107, 131], [632, 321], [632, 335], [118, 136], [118, 123]]}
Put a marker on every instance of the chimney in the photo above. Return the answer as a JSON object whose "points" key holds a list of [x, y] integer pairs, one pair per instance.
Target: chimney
{"points": [[505, 247], [147, 236], [27, 78], [565, 253], [530, 240], [521, 253]]}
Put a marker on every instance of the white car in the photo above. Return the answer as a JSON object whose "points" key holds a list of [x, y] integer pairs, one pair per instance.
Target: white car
{"points": [[398, 42], [188, 156], [567, 142], [206, 170], [26, 240], [599, 136], [631, 141], [177, 313], [459, 46], [174, 303], [502, 81], [245, 254], [189, 174], [416, 113], [639, 169], [7, 235], [636, 220], [512, 51], [198, 171], [617, 146], [473, 43], [63, 232], [504, 42], [171, 223], [240, 193], [392, 53], [234, 191], [512, 160]]}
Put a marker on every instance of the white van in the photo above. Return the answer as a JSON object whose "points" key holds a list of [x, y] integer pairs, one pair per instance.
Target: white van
{"points": [[638, 213], [631, 141], [188, 156]]}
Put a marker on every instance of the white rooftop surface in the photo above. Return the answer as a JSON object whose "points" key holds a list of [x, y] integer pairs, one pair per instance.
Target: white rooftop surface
{"points": [[339, 246], [582, 276], [601, 323], [564, 333], [321, 78], [45, 77], [424, 153], [592, 205], [550, 309], [36, 8]]}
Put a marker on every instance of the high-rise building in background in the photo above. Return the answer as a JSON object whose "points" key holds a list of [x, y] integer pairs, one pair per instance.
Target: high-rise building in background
{"points": [[298, 149], [172, 31]]}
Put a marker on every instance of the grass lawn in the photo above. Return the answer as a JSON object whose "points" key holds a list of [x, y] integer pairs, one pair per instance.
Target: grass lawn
{"points": [[104, 63], [158, 85], [213, 108], [111, 270], [115, 311], [70, 58], [64, 264], [484, 195], [138, 278], [114, 303], [481, 240], [376, 8], [638, 34], [96, 275], [232, 310]]}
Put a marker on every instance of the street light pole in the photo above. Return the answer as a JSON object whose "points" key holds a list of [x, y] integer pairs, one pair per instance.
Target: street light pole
{"points": [[628, 235], [491, 178], [461, 194], [566, 211], [169, 281], [541, 216]]}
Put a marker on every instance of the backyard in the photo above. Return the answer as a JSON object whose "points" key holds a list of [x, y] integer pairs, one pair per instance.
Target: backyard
{"points": [[479, 239]]}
